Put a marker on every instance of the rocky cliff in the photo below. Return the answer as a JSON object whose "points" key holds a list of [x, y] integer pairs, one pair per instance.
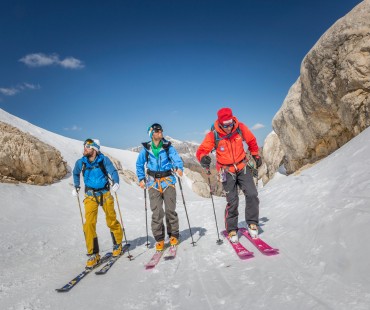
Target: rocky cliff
{"points": [[24, 158], [329, 103]]}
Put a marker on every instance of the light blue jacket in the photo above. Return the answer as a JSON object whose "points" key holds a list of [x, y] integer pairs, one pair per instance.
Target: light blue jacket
{"points": [[163, 163], [94, 177]]}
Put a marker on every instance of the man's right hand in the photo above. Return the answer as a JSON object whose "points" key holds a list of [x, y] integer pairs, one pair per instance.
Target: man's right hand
{"points": [[75, 191], [205, 162], [142, 184]]}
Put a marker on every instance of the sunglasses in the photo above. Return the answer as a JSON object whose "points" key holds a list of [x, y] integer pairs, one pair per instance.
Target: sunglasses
{"points": [[157, 130], [88, 146]]}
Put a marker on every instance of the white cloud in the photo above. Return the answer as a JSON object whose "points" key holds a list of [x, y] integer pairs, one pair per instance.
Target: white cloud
{"points": [[258, 126], [71, 63], [73, 128], [30, 86], [42, 60], [9, 91]]}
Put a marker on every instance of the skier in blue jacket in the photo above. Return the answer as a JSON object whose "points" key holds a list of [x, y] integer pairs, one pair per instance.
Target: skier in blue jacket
{"points": [[95, 168], [162, 161]]}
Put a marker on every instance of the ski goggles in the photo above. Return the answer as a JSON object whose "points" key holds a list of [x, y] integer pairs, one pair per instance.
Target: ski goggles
{"points": [[91, 144], [227, 125], [157, 128], [88, 143]]}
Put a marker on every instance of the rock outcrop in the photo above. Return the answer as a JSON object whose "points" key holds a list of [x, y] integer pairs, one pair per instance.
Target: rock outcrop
{"points": [[273, 157], [329, 104], [24, 158], [127, 175], [199, 186]]}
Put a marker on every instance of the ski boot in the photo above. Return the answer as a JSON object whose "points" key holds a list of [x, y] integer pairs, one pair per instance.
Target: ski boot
{"points": [[233, 235], [253, 231], [117, 249], [159, 246], [93, 260], [174, 241]]}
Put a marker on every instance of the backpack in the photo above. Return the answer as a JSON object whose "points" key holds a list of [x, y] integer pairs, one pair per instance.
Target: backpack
{"points": [[218, 139], [102, 168], [166, 147]]}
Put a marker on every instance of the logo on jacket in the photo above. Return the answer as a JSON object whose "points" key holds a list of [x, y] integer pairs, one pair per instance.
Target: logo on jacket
{"points": [[222, 149]]}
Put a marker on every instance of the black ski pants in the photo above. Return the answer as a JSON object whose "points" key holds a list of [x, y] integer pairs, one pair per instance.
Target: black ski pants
{"points": [[244, 180]]}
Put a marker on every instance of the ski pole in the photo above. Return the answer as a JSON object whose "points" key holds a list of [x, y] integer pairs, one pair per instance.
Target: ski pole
{"points": [[146, 219], [79, 206], [208, 172], [183, 200], [123, 228]]}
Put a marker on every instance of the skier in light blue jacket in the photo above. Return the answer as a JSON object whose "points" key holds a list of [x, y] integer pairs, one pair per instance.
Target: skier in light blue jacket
{"points": [[162, 162]]}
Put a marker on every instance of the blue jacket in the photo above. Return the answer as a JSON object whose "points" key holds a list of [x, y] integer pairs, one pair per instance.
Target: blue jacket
{"points": [[93, 176], [162, 163]]}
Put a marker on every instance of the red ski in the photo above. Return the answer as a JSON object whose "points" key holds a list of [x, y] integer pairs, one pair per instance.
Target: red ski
{"points": [[240, 250], [171, 252], [262, 246], [154, 260]]}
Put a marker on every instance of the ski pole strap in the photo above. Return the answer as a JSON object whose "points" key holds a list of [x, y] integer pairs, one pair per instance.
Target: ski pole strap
{"points": [[159, 174]]}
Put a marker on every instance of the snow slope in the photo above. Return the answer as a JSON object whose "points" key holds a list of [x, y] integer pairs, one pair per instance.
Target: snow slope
{"points": [[319, 220]]}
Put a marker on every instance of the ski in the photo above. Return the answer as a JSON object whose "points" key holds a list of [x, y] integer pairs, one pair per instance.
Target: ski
{"points": [[71, 284], [112, 260], [154, 260], [171, 253], [262, 246], [240, 250]]}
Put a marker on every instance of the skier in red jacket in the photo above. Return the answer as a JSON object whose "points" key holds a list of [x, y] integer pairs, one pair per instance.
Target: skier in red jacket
{"points": [[227, 138]]}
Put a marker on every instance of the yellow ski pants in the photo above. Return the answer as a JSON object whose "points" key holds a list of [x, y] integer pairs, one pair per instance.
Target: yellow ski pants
{"points": [[91, 217]]}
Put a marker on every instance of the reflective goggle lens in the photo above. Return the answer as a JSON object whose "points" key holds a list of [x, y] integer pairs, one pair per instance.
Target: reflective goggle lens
{"points": [[227, 126], [88, 141]]}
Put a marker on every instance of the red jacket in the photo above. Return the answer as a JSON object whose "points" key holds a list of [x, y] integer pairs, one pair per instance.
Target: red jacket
{"points": [[230, 152]]}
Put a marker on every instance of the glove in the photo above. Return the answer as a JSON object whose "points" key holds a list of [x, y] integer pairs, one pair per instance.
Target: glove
{"points": [[115, 187], [258, 160], [179, 172], [205, 162], [75, 191], [142, 183]]}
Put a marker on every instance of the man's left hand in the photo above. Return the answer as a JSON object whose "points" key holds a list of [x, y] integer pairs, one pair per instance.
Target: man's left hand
{"points": [[258, 160], [115, 187]]}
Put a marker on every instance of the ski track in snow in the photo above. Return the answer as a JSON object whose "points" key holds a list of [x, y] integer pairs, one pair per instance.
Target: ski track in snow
{"points": [[319, 220]]}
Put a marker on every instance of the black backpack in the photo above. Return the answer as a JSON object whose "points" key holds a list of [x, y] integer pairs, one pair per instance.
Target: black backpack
{"points": [[166, 146]]}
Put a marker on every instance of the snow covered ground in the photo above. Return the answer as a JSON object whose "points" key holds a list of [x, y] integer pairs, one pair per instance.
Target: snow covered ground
{"points": [[319, 220]]}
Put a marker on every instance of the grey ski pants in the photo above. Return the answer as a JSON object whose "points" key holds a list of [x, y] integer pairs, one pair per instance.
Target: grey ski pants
{"points": [[156, 205], [244, 180]]}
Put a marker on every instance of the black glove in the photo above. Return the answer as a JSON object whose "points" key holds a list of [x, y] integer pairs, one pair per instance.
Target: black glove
{"points": [[205, 162], [258, 160]]}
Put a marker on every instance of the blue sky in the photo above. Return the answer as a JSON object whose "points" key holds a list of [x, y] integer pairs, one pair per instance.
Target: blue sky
{"points": [[109, 69]]}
